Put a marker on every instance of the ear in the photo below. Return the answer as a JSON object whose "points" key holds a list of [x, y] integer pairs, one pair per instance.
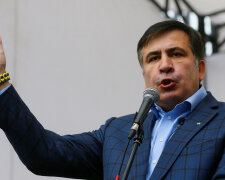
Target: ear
{"points": [[201, 68], [143, 72]]}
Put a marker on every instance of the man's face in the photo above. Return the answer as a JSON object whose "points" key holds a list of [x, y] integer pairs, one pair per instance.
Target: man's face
{"points": [[169, 66]]}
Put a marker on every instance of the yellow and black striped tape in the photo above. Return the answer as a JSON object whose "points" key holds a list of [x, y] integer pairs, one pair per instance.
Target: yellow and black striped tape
{"points": [[4, 77]]}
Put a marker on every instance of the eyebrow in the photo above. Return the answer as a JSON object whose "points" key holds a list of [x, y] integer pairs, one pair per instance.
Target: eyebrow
{"points": [[175, 49], [152, 53]]}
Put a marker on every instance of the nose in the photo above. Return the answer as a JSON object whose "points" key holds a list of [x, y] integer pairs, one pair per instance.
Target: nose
{"points": [[166, 65]]}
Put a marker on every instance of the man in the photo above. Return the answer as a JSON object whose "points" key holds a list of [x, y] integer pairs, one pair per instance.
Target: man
{"points": [[184, 133]]}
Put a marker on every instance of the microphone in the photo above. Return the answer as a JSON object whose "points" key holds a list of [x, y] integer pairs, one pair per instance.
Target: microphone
{"points": [[150, 96], [181, 121]]}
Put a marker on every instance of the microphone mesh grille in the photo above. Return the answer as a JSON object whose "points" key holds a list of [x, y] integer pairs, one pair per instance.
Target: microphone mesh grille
{"points": [[153, 92]]}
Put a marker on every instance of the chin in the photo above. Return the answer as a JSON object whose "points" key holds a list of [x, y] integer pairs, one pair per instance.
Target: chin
{"points": [[171, 98]]}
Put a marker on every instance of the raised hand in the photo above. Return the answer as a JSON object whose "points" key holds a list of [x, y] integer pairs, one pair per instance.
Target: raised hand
{"points": [[2, 64], [2, 58]]}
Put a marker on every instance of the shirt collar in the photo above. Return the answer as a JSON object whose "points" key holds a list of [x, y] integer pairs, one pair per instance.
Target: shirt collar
{"points": [[191, 102], [197, 97]]}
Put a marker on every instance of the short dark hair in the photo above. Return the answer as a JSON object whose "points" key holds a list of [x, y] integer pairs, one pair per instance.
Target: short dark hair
{"points": [[195, 39]]}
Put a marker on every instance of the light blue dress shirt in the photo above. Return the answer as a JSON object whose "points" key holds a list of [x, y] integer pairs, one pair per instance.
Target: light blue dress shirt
{"points": [[2, 91], [166, 124]]}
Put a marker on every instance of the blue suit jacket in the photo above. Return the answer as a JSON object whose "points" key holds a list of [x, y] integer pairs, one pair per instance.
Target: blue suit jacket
{"points": [[195, 151]]}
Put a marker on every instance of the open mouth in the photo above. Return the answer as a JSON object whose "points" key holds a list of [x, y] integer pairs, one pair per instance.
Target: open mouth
{"points": [[167, 83]]}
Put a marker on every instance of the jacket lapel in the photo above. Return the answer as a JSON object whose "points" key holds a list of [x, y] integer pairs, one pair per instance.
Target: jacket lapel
{"points": [[204, 112]]}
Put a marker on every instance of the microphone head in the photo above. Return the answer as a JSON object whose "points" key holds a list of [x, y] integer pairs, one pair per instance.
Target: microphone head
{"points": [[152, 92]]}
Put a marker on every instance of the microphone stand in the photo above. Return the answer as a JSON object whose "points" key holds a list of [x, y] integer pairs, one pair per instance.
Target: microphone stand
{"points": [[137, 142]]}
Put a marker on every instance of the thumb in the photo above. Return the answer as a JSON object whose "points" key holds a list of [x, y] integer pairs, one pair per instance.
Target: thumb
{"points": [[2, 58]]}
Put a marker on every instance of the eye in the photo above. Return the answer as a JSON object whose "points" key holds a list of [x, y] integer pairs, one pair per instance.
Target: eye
{"points": [[153, 58], [177, 54]]}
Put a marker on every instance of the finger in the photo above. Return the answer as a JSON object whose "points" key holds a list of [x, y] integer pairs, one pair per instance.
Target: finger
{"points": [[0, 40], [1, 46]]}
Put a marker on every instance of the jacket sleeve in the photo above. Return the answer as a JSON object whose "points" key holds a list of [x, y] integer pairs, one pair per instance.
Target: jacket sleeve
{"points": [[44, 152]]}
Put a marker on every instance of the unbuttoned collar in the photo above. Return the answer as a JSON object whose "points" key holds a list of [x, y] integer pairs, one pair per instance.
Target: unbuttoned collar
{"points": [[187, 105]]}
